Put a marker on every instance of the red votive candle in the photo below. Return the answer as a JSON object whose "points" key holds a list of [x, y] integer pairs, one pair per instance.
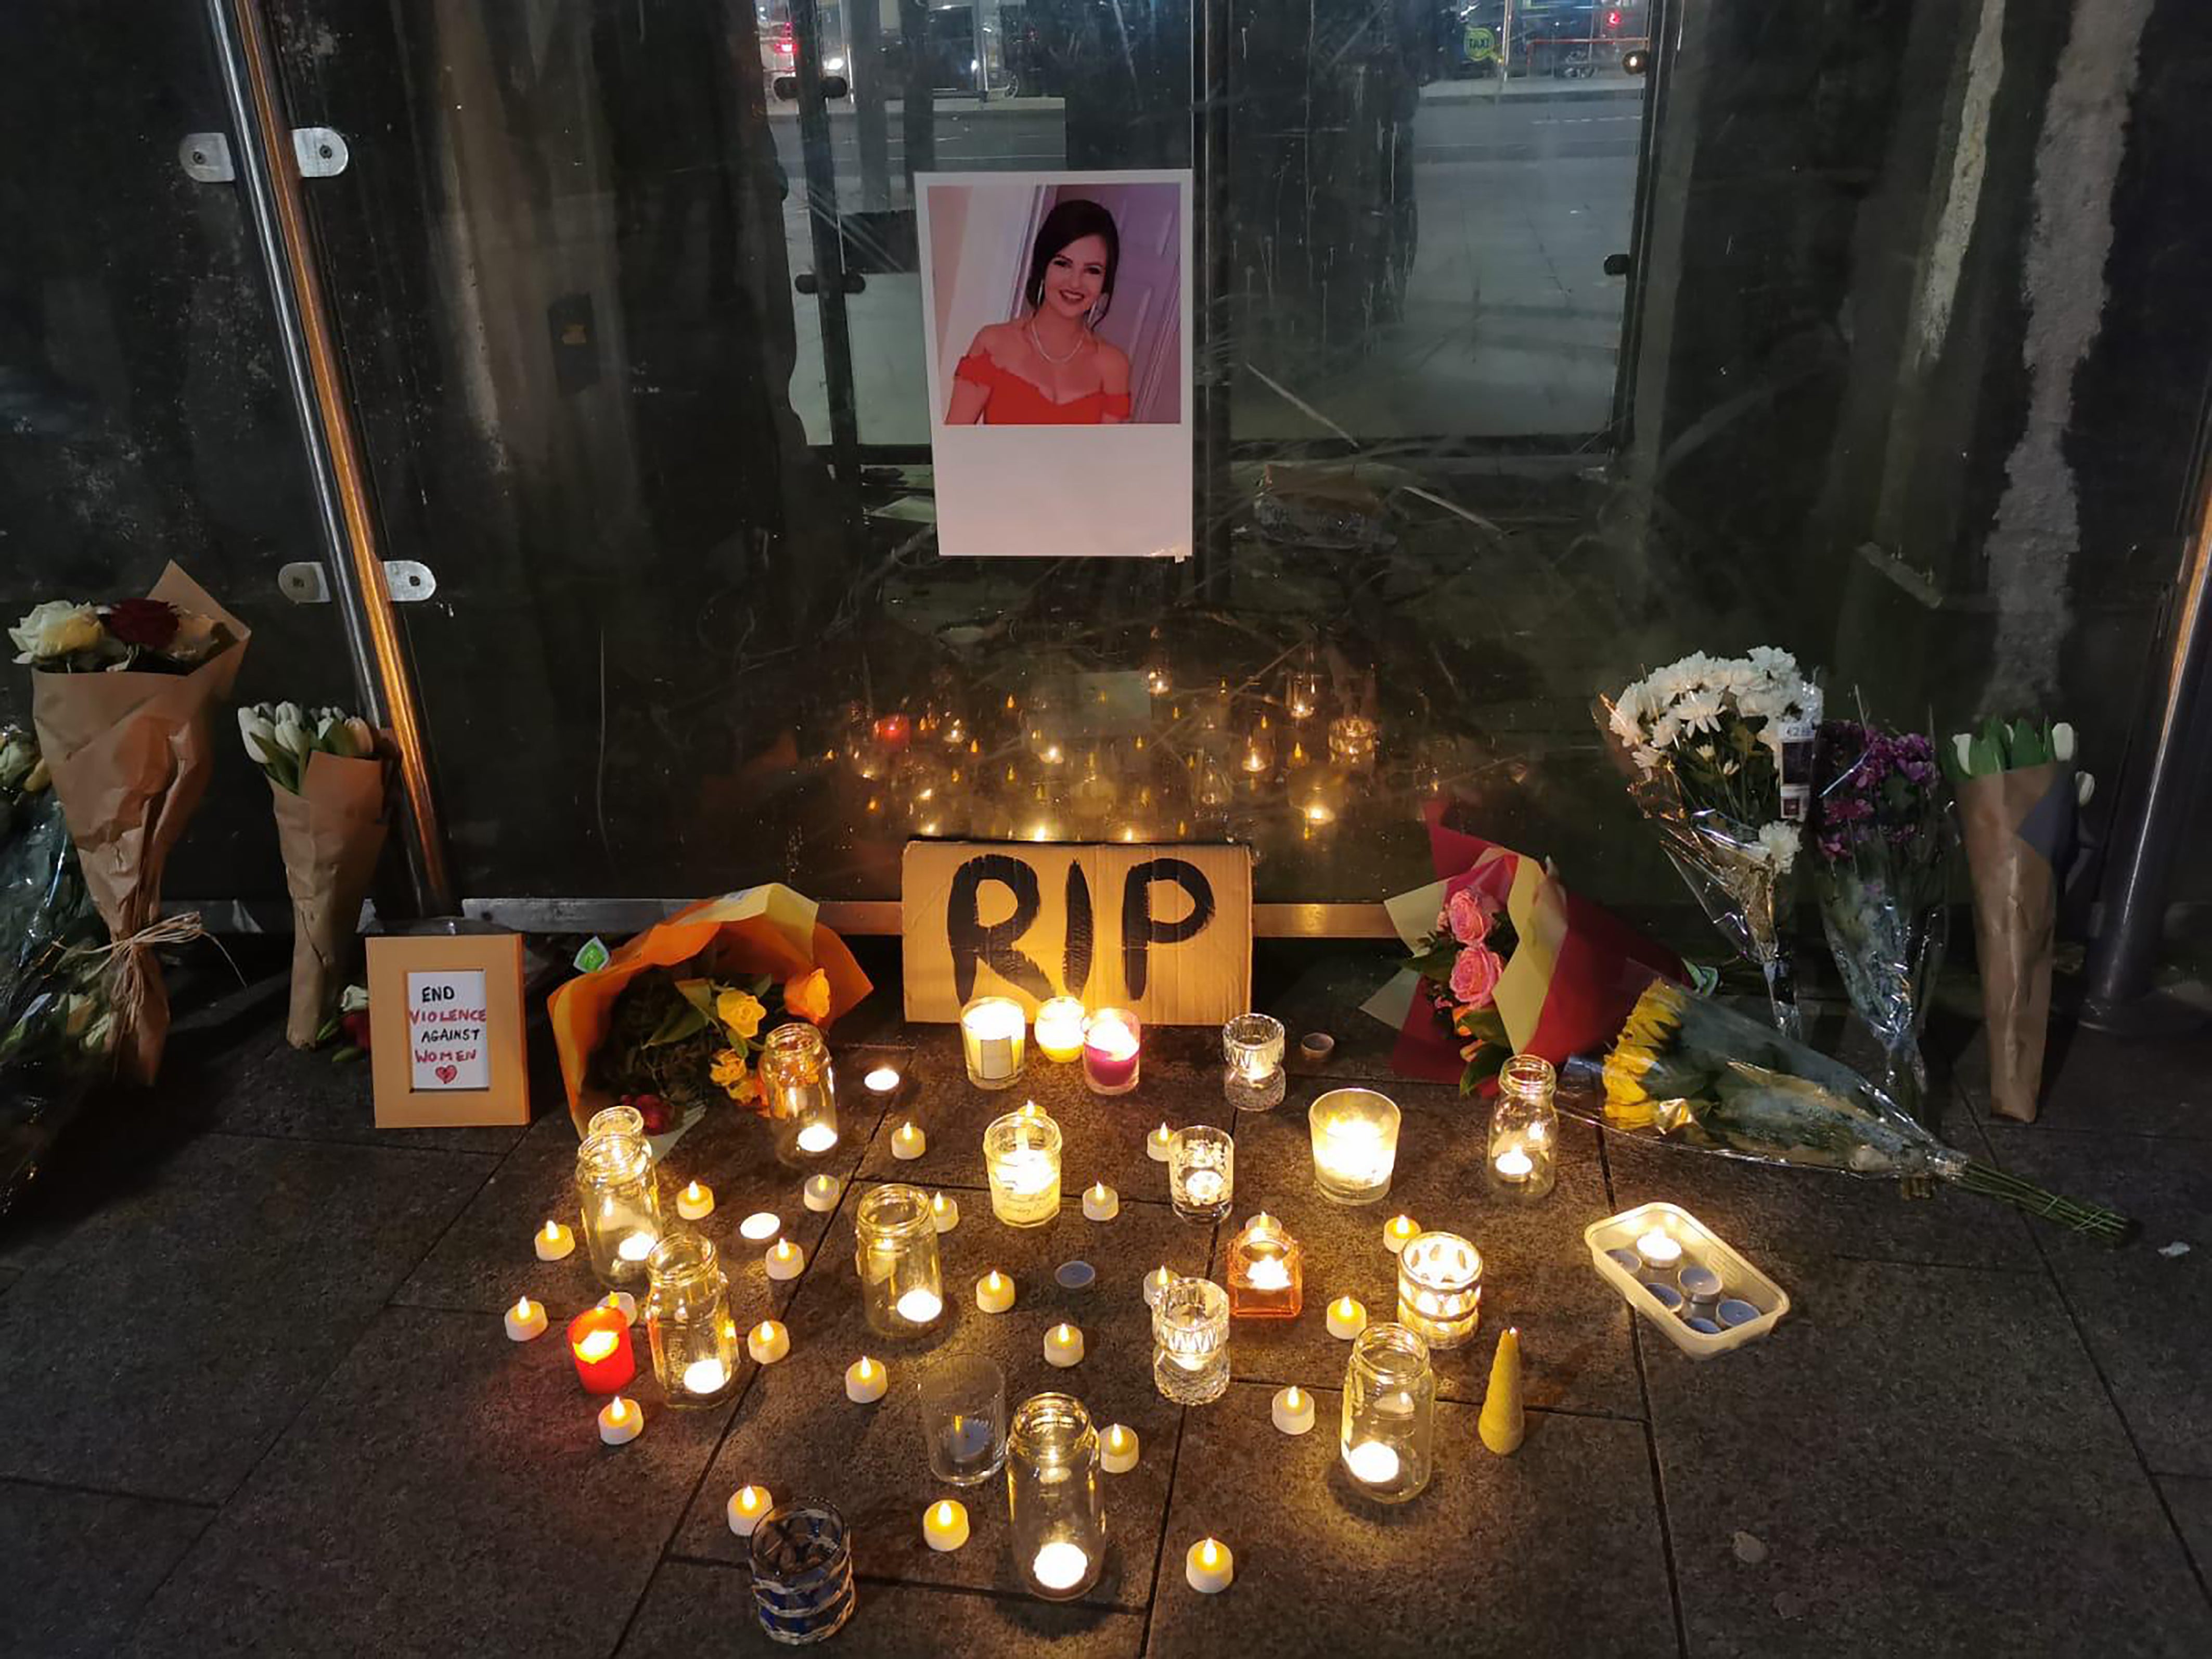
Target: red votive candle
{"points": [[1111, 1041], [599, 1341]]}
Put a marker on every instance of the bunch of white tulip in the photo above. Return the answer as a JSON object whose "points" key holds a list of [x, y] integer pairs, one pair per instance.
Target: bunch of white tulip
{"points": [[279, 736]]}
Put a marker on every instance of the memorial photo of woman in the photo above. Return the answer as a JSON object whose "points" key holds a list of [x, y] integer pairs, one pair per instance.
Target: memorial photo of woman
{"points": [[1049, 366]]}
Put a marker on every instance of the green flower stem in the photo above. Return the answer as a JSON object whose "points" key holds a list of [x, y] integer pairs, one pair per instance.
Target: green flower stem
{"points": [[2107, 1226]]}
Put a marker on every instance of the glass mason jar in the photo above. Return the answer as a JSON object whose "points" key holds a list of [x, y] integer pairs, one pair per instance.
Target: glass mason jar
{"points": [[1388, 1437], [894, 1252], [1522, 1159], [802, 1562], [1021, 1156], [1057, 1512], [993, 1036], [1201, 1172], [616, 1120], [1190, 1341], [799, 1091], [619, 1192], [1440, 1288], [1252, 1052], [1355, 1143], [689, 1322], [1267, 1271]]}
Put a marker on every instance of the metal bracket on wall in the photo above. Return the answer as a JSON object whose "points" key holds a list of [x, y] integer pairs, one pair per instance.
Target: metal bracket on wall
{"points": [[321, 153], [206, 157], [305, 581]]}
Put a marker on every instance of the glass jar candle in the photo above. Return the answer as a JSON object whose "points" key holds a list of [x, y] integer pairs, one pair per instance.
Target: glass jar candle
{"points": [[1388, 1436], [1201, 1172], [1021, 1157], [1056, 1511], [992, 1035], [1190, 1341], [1060, 1029], [802, 1562], [1112, 1040], [1522, 1158], [619, 1192], [894, 1252], [1267, 1271], [616, 1120], [1355, 1143], [963, 1419], [1252, 1054], [1440, 1288], [800, 1092], [687, 1321], [1353, 740]]}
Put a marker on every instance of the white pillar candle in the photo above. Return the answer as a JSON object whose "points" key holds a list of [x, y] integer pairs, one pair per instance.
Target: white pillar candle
{"points": [[695, 1202], [1118, 1451], [623, 1303], [865, 1381], [1346, 1318], [944, 1212], [747, 1505], [1293, 1410], [621, 1421], [767, 1341], [760, 1226], [1209, 1568], [994, 1292], [785, 1259], [907, 1141], [1397, 1230], [1101, 1203], [1159, 1142], [945, 1524], [820, 1193], [1063, 1345], [526, 1320], [554, 1242], [1155, 1284], [1659, 1251]]}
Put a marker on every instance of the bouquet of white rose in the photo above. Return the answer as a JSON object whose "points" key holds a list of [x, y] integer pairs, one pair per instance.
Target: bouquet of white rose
{"points": [[1720, 750]]}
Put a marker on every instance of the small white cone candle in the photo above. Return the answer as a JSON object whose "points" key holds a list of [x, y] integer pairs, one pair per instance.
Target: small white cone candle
{"points": [[945, 1524], [554, 1242], [695, 1202], [1209, 1568], [621, 1421], [865, 1381], [747, 1505], [526, 1320]]}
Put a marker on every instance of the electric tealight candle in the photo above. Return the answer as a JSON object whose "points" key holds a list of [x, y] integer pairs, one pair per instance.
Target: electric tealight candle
{"points": [[1159, 1144], [554, 1242], [1101, 1203], [695, 1202], [1659, 1251], [1112, 1044], [704, 1378], [1117, 1452], [526, 1320], [621, 1421], [944, 1212], [1513, 1167], [767, 1341], [865, 1381], [635, 1247], [785, 1259], [1371, 1463], [907, 1141], [1155, 1284], [599, 1341], [820, 1194], [1209, 1568], [1348, 1318], [993, 1034], [623, 1303], [1293, 1410], [1060, 1566], [1031, 1109], [761, 1225], [883, 1082], [747, 1505], [945, 1524], [1398, 1231], [1063, 1345], [994, 1292], [1060, 1028], [815, 1139]]}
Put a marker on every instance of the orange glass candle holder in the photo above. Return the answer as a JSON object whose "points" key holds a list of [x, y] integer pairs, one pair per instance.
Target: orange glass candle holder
{"points": [[599, 1341], [1267, 1271]]}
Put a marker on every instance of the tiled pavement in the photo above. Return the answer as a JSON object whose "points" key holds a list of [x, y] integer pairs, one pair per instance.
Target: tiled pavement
{"points": [[260, 1400]]}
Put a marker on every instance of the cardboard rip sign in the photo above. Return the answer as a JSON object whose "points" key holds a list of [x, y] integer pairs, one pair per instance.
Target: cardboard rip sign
{"points": [[1165, 931]]}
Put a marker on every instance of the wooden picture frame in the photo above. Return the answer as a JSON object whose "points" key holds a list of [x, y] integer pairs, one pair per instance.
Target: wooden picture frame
{"points": [[471, 1068]]}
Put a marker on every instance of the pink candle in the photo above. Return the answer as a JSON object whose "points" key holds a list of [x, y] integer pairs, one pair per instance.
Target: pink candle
{"points": [[1111, 1042]]}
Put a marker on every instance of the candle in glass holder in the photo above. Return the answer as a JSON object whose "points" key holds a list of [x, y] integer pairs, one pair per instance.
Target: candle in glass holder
{"points": [[1021, 1156], [1440, 1288], [1524, 1130], [1266, 1277], [1202, 1173], [993, 1036], [1112, 1040], [599, 1341], [1060, 1028], [1252, 1078], [1355, 1143]]}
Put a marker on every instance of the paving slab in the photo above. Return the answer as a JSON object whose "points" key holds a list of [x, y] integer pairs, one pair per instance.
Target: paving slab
{"points": [[2189, 1499], [1930, 1465], [2108, 1085], [75, 1567], [1555, 1550], [693, 1607], [446, 1493], [164, 1343], [1325, 997]]}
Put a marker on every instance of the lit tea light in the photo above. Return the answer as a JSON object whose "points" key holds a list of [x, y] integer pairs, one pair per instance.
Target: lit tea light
{"points": [[1660, 1252], [1372, 1463], [621, 1421], [992, 1035], [1118, 1451], [820, 1194], [1397, 1230], [907, 1141], [1063, 1345], [944, 1212], [1112, 1051], [945, 1524], [747, 1505], [1031, 1109], [865, 1381], [695, 1202], [1293, 1410], [919, 1306], [1060, 1028], [1209, 1568], [1348, 1318], [554, 1242], [1514, 1166], [1155, 1284], [1060, 1565], [623, 1303], [705, 1377], [767, 1341], [1159, 1144], [785, 1259], [815, 1139], [635, 1247], [994, 1292], [760, 1226], [526, 1320], [883, 1081], [1101, 1203]]}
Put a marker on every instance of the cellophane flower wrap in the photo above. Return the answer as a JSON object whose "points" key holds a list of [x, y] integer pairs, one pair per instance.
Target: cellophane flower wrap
{"points": [[1719, 751], [1880, 850]]}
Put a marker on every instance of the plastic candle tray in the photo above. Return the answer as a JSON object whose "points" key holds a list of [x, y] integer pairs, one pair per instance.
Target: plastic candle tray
{"points": [[1701, 1246]]}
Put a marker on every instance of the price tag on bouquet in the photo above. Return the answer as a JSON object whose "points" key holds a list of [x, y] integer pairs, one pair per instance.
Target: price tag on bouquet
{"points": [[446, 1045]]}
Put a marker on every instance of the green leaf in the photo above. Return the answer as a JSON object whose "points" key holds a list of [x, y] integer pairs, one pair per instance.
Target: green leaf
{"points": [[1435, 964], [677, 1024]]}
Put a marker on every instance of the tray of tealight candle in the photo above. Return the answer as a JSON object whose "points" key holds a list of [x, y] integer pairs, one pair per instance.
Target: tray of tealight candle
{"points": [[1685, 1279]]}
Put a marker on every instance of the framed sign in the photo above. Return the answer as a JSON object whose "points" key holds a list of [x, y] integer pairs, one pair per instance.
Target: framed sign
{"points": [[1165, 931], [444, 1014]]}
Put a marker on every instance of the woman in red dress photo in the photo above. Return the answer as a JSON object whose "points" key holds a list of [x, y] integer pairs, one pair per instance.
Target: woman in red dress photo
{"points": [[1049, 366]]}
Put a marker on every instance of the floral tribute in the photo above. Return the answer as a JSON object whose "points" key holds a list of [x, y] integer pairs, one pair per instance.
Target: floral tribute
{"points": [[1460, 963], [146, 637]]}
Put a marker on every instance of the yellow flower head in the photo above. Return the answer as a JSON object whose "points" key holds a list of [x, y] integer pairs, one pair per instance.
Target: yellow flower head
{"points": [[740, 1013], [807, 995], [729, 1071]]}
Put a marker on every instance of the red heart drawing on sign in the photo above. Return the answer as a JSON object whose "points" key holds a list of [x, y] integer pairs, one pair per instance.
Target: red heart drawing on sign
{"points": [[447, 1074]]}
